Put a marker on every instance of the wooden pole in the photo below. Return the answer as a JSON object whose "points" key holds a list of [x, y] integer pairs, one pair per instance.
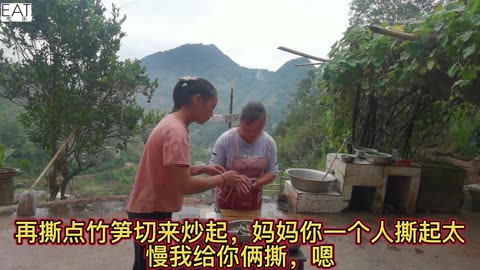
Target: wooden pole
{"points": [[354, 117], [392, 33], [70, 137], [302, 54], [308, 64], [231, 106]]}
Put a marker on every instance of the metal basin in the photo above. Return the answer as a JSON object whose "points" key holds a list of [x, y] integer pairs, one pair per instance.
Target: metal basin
{"points": [[234, 227], [310, 180]]}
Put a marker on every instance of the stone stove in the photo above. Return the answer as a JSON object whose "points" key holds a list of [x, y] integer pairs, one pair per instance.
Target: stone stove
{"points": [[402, 183]]}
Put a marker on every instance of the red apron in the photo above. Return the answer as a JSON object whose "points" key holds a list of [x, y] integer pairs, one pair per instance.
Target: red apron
{"points": [[229, 198]]}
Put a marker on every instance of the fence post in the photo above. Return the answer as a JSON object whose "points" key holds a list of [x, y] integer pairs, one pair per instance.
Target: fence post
{"points": [[231, 106]]}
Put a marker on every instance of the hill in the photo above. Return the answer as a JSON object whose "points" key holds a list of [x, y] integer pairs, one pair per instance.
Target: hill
{"points": [[207, 61], [274, 89]]}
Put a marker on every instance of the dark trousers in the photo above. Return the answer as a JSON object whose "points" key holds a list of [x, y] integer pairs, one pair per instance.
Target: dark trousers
{"points": [[140, 261]]}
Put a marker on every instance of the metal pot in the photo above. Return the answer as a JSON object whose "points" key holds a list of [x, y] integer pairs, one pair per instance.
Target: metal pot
{"points": [[360, 151], [378, 158], [310, 180]]}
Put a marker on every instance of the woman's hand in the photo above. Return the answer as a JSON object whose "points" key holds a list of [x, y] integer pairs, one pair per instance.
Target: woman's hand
{"points": [[246, 188], [213, 170], [253, 183], [236, 180]]}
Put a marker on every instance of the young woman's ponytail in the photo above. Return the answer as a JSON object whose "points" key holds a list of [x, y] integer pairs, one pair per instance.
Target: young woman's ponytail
{"points": [[186, 87]]}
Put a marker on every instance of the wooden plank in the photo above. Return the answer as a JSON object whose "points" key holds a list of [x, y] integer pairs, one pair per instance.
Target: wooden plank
{"points": [[230, 215]]}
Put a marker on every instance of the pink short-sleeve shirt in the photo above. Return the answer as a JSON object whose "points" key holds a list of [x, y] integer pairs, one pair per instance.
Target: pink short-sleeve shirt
{"points": [[154, 189]]}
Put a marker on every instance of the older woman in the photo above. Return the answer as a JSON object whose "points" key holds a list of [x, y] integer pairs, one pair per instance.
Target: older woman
{"points": [[249, 151]]}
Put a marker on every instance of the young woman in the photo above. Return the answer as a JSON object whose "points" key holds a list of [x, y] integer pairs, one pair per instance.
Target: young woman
{"points": [[164, 174], [250, 151]]}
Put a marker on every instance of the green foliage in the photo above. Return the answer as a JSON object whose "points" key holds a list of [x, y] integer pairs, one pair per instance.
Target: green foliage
{"points": [[274, 89], [149, 121], [24, 165], [302, 138], [363, 12], [199, 154], [2, 156], [64, 82], [409, 91], [462, 136], [113, 182], [14, 138], [411, 88], [112, 159]]}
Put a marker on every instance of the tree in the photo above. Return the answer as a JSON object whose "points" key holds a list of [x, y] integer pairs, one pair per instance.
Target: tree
{"points": [[301, 137], [64, 70], [409, 91], [365, 12], [148, 123]]}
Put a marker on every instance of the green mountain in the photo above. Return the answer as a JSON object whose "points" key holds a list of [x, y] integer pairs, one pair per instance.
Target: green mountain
{"points": [[272, 88]]}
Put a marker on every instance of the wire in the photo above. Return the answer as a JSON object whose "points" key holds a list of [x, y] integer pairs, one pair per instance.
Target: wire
{"points": [[126, 5]]}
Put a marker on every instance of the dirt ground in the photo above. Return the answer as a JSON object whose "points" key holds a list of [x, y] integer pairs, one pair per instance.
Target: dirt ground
{"points": [[347, 255]]}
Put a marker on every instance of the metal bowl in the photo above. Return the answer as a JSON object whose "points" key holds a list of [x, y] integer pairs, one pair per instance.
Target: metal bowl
{"points": [[360, 151], [310, 180], [234, 227], [378, 158]]}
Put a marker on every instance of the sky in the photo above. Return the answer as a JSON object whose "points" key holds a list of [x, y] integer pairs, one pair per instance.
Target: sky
{"points": [[248, 31]]}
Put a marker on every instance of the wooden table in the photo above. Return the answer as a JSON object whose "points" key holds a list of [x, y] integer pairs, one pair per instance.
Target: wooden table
{"points": [[231, 215]]}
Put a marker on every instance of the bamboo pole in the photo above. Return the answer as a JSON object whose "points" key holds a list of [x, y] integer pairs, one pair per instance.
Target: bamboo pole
{"points": [[354, 117], [302, 54], [308, 64], [70, 137], [392, 33]]}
